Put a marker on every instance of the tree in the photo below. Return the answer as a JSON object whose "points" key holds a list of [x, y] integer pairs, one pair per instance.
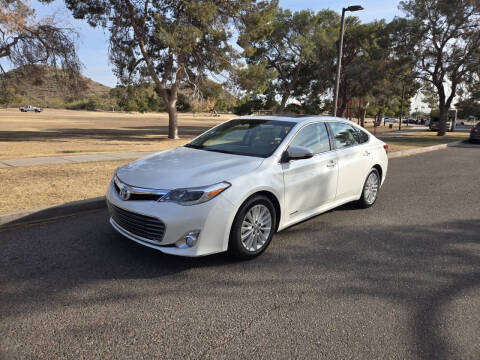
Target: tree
{"points": [[296, 40], [24, 40], [445, 41], [174, 43], [470, 104], [369, 68]]}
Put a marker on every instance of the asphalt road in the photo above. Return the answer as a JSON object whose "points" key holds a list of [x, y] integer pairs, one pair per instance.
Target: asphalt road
{"points": [[398, 281]]}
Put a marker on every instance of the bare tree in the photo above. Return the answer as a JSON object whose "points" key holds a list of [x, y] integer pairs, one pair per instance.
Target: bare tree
{"points": [[24, 40]]}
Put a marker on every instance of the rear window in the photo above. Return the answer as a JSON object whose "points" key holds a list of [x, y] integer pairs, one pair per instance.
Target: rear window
{"points": [[344, 135], [362, 136]]}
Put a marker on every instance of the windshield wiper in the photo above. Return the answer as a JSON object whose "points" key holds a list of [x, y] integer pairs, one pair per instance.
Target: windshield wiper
{"points": [[193, 146], [222, 151]]}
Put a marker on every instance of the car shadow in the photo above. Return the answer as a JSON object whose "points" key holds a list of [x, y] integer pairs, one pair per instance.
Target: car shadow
{"points": [[134, 134], [423, 267]]}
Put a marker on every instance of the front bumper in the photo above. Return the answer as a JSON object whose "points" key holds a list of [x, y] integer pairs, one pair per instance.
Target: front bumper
{"points": [[213, 218]]}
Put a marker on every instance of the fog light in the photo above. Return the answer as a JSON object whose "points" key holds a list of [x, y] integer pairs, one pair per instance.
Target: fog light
{"points": [[188, 240]]}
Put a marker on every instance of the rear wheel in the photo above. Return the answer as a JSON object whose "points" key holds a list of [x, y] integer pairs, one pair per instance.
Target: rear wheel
{"points": [[370, 189], [253, 228]]}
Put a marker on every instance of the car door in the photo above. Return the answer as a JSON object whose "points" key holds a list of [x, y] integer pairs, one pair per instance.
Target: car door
{"points": [[354, 159], [310, 183]]}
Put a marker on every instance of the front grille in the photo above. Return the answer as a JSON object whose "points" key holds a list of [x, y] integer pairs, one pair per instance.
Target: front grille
{"points": [[146, 227], [135, 196]]}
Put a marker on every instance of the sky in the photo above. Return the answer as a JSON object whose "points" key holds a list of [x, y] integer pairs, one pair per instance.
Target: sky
{"points": [[93, 42]]}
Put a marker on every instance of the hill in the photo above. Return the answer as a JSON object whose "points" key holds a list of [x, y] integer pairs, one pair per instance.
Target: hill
{"points": [[47, 86]]}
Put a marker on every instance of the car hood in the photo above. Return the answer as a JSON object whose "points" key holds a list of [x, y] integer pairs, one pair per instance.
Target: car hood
{"points": [[184, 167]]}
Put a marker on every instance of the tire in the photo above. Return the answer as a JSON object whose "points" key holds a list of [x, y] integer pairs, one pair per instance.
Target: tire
{"points": [[366, 200], [257, 239]]}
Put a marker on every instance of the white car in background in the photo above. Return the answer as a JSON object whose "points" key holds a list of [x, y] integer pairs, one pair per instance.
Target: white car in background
{"points": [[390, 120], [30, 108], [237, 184]]}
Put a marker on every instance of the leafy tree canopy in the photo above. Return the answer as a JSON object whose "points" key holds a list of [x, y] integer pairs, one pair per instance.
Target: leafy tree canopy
{"points": [[175, 42], [443, 37]]}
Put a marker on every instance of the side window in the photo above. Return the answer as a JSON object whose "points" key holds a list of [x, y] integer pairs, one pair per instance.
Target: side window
{"points": [[314, 137], [362, 136], [344, 135]]}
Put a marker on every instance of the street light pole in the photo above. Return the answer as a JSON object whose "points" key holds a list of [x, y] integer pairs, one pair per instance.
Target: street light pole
{"points": [[340, 54], [339, 64]]}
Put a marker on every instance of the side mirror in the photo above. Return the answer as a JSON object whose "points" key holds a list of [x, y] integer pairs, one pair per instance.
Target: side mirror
{"points": [[297, 153]]}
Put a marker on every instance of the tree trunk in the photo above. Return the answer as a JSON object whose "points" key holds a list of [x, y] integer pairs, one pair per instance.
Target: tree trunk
{"points": [[363, 115], [285, 97], [442, 124], [290, 86], [170, 101], [443, 109], [172, 120], [380, 117], [343, 105]]}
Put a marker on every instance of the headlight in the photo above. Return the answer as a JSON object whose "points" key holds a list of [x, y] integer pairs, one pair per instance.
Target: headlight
{"points": [[194, 196]]}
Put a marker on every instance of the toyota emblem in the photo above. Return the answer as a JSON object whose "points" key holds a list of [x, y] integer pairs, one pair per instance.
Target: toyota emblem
{"points": [[125, 193]]}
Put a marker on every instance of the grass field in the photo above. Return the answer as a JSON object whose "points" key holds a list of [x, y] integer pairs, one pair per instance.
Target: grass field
{"points": [[63, 132], [34, 186]]}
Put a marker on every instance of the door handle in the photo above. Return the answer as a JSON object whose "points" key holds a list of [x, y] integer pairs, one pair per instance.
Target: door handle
{"points": [[366, 153], [331, 163]]}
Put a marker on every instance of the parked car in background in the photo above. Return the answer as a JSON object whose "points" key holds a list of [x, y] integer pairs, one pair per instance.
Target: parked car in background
{"points": [[233, 187], [451, 120], [435, 123], [30, 108], [475, 133], [390, 120]]}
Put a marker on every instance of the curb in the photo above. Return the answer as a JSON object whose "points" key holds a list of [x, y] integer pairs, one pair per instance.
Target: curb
{"points": [[405, 153], [48, 213]]}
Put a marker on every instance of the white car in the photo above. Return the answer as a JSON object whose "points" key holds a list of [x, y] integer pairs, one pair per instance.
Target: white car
{"points": [[30, 108], [237, 184], [390, 120]]}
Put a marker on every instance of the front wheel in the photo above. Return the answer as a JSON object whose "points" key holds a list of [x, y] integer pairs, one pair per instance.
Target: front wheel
{"points": [[370, 189], [253, 228]]}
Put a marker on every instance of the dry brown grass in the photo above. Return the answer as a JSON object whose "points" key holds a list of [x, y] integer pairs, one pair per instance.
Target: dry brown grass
{"points": [[62, 132], [30, 187]]}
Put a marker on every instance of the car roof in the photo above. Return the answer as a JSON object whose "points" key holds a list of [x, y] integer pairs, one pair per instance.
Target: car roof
{"points": [[294, 118]]}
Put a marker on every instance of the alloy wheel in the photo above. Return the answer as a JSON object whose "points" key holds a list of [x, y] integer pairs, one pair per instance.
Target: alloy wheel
{"points": [[371, 188], [256, 227]]}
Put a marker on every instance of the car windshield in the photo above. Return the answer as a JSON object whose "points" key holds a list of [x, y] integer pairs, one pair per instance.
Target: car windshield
{"points": [[250, 137]]}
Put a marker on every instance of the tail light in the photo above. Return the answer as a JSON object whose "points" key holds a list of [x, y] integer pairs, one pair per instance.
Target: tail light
{"points": [[385, 146], [474, 130]]}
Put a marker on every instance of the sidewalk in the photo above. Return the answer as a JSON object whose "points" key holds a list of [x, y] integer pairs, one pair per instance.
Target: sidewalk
{"points": [[71, 159]]}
